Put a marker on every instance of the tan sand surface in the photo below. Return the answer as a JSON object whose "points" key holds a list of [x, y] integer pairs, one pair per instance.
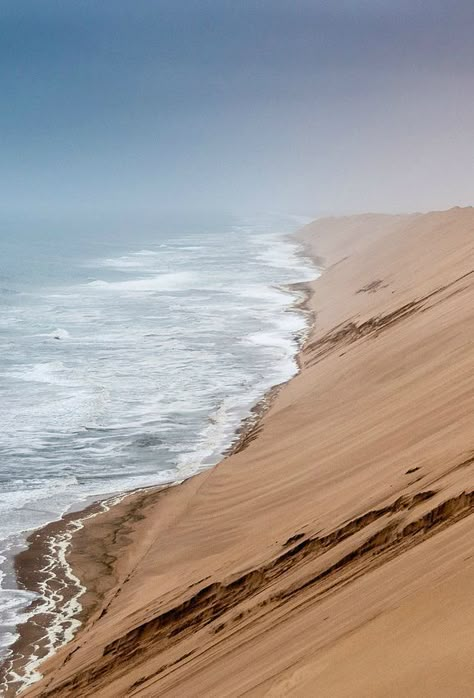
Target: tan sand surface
{"points": [[333, 556]]}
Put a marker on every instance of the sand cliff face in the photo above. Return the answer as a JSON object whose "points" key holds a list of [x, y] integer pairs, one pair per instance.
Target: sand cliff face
{"points": [[334, 555]]}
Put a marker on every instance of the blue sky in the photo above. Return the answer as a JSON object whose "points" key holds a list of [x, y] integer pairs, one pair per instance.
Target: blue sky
{"points": [[132, 107]]}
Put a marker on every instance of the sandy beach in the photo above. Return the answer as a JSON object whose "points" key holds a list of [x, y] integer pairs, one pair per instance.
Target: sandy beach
{"points": [[332, 554]]}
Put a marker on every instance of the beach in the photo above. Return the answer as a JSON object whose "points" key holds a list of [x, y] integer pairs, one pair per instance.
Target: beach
{"points": [[130, 363], [332, 552]]}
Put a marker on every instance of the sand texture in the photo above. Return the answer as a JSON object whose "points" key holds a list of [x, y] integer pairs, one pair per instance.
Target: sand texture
{"points": [[333, 555]]}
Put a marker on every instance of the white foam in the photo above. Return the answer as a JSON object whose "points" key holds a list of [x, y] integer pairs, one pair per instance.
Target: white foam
{"points": [[142, 259], [38, 491], [59, 333], [210, 442], [264, 292], [281, 252], [13, 605], [178, 342], [59, 598], [165, 282], [46, 372], [7, 640], [273, 340]]}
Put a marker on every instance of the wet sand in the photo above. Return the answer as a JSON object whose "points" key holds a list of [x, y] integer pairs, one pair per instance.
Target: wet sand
{"points": [[333, 553]]}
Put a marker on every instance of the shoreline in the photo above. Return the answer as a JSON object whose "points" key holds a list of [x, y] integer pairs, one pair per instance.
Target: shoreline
{"points": [[44, 561], [341, 529], [46, 558], [249, 426]]}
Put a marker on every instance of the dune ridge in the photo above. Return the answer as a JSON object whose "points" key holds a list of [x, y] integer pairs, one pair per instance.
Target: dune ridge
{"points": [[333, 555]]}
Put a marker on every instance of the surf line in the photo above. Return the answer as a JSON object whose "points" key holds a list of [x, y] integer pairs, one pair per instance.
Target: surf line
{"points": [[52, 591]]}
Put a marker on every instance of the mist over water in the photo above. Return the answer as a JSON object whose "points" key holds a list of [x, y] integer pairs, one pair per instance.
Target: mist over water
{"points": [[130, 362]]}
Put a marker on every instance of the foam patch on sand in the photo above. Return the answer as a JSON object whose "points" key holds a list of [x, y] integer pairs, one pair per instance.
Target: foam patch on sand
{"points": [[58, 599]]}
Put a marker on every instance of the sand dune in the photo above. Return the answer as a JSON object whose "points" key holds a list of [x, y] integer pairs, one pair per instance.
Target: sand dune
{"points": [[333, 556]]}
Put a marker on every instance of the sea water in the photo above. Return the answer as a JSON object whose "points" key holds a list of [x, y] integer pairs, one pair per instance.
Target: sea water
{"points": [[129, 360]]}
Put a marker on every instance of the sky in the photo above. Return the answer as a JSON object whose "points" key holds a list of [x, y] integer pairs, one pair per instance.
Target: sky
{"points": [[133, 107]]}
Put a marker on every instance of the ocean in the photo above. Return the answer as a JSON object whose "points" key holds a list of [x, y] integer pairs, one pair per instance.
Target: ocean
{"points": [[130, 359]]}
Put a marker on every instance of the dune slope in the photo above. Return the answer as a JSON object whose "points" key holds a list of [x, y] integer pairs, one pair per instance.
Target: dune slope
{"points": [[333, 555]]}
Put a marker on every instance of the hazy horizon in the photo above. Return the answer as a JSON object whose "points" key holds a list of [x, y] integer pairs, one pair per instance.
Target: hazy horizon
{"points": [[131, 110]]}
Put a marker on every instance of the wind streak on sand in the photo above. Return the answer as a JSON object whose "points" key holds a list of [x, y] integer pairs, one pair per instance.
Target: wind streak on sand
{"points": [[56, 615], [82, 421], [333, 552]]}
